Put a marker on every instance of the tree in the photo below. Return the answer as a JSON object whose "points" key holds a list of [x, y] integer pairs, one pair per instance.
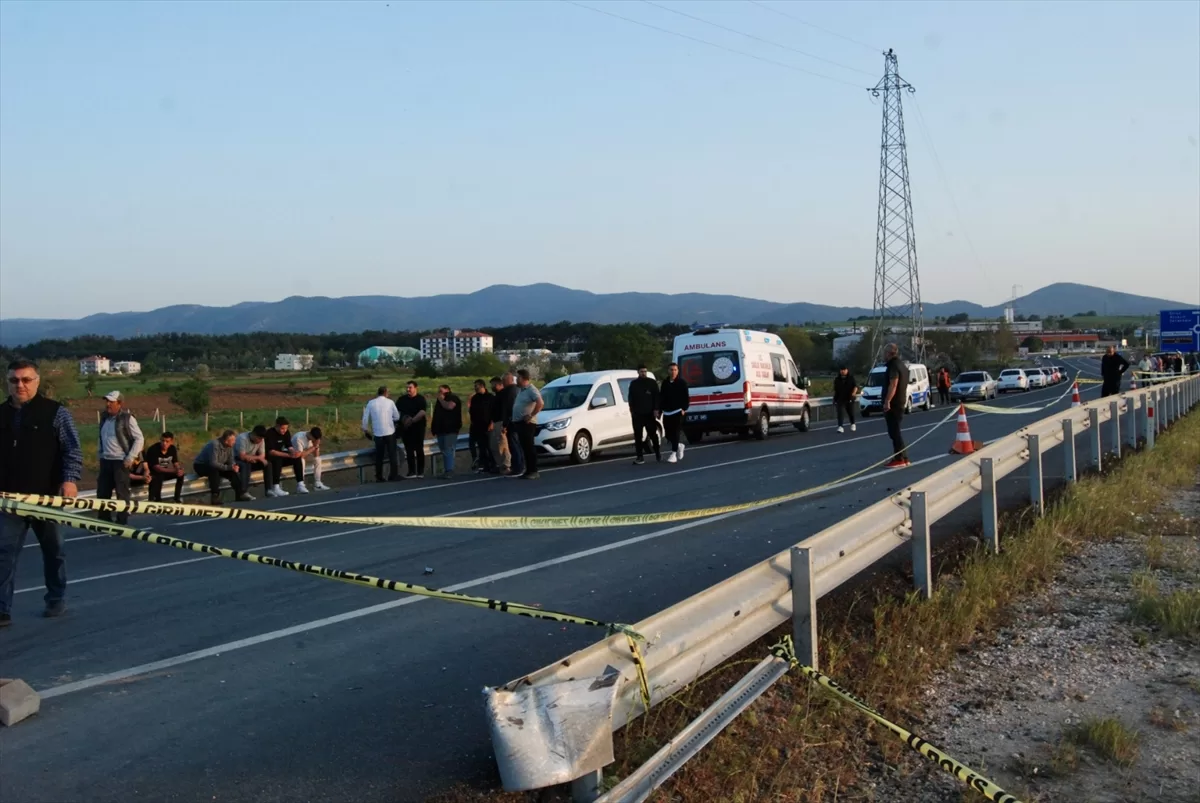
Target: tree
{"points": [[90, 383], [623, 346], [424, 368], [481, 364], [203, 371], [192, 395], [1066, 324], [339, 390], [1034, 343], [1006, 343], [810, 354], [958, 317], [861, 357]]}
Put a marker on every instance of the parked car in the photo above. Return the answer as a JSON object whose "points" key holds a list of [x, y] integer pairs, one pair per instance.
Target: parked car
{"points": [[919, 395], [973, 385], [1038, 378], [585, 413], [1012, 379]]}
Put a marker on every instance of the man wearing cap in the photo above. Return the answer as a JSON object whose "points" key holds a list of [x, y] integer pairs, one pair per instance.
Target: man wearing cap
{"points": [[644, 407], [39, 454], [121, 440]]}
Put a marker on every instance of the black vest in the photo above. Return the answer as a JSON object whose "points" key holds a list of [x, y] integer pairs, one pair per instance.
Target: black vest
{"points": [[30, 457]]}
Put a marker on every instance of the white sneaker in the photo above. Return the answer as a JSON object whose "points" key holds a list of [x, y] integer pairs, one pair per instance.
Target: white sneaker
{"points": [[320, 486], [271, 493], [854, 427], [301, 488], [841, 430], [279, 490], [681, 451], [671, 458]]}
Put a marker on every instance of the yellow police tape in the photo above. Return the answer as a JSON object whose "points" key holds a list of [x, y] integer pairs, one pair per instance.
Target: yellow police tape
{"points": [[443, 522], [988, 408], [974, 780]]}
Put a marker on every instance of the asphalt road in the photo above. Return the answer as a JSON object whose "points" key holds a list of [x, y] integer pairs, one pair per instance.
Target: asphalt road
{"points": [[177, 676]]}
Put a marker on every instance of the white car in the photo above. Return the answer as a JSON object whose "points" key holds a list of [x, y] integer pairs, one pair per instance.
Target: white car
{"points": [[1038, 378], [585, 413], [973, 385], [1012, 379]]}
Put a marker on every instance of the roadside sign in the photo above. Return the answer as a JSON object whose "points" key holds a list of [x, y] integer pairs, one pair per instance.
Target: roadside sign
{"points": [[1180, 330]]}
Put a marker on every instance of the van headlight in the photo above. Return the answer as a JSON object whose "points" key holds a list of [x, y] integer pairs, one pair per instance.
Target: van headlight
{"points": [[560, 424]]}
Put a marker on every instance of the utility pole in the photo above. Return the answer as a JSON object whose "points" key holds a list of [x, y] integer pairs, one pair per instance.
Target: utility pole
{"points": [[897, 286]]}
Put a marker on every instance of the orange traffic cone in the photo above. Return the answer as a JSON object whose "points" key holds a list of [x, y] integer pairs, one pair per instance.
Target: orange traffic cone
{"points": [[1075, 402], [962, 439]]}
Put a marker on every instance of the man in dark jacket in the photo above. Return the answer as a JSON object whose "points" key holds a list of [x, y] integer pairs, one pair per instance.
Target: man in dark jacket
{"points": [[675, 400], [497, 430], [1112, 366], [644, 407], [506, 398], [446, 424], [479, 409], [39, 454], [845, 391]]}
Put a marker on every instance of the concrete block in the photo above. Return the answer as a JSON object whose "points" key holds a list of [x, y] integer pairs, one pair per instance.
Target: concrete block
{"points": [[17, 701]]}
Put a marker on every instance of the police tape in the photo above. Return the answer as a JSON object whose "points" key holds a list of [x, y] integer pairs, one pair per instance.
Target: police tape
{"points": [[993, 410], [23, 509], [974, 780], [441, 522]]}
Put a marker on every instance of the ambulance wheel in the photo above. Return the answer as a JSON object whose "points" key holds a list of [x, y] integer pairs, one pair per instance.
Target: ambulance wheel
{"points": [[764, 425], [693, 436], [803, 423], [581, 450]]}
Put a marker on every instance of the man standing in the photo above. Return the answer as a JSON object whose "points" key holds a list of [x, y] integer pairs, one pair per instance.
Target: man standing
{"points": [[479, 410], [413, 406], [215, 462], [281, 453], [675, 400], [307, 446], [845, 391], [39, 454], [1112, 366], [643, 407], [508, 397], [894, 398], [526, 407], [446, 424], [250, 455], [943, 385], [163, 459], [121, 440], [498, 431], [379, 422]]}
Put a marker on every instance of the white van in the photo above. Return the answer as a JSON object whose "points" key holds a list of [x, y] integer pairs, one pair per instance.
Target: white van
{"points": [[585, 413], [871, 398], [740, 381]]}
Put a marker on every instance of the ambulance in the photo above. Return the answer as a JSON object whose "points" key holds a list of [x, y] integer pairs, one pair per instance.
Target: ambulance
{"points": [[739, 381]]}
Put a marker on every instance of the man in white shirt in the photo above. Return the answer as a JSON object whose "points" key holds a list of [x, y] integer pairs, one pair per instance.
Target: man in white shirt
{"points": [[379, 422], [121, 440], [307, 446]]}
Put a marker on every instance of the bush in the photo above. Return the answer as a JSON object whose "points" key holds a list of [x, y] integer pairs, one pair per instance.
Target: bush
{"points": [[339, 390], [192, 396], [424, 368]]}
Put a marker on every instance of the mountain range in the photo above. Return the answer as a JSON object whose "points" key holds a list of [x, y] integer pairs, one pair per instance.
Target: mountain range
{"points": [[501, 305]]}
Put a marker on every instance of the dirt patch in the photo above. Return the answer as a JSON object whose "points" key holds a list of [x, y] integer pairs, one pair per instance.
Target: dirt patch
{"points": [[143, 405]]}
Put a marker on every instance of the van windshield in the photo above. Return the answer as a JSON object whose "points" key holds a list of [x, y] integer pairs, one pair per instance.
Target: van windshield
{"points": [[970, 377], [565, 397], [876, 379], [709, 368]]}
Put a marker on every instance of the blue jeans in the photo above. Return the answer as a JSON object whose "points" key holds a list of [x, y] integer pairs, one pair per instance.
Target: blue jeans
{"points": [[12, 540], [447, 445], [514, 449]]}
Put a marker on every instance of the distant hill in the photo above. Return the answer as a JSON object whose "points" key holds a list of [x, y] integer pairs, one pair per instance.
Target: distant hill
{"points": [[501, 305]]}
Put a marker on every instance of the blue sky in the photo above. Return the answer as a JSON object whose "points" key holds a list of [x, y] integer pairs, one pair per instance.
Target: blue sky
{"points": [[175, 152]]}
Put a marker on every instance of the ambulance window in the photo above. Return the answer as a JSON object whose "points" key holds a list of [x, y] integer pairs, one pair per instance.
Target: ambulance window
{"points": [[795, 373], [709, 368], [777, 367]]}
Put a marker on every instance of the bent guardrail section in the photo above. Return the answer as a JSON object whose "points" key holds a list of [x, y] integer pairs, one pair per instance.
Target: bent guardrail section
{"points": [[706, 629]]}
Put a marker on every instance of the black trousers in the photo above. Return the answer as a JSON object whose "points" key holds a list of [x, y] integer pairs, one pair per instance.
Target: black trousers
{"points": [[414, 446], [845, 409], [278, 464], [645, 428], [899, 450], [385, 446], [156, 486], [1110, 387], [481, 452], [671, 427], [214, 475], [944, 395], [525, 435], [113, 479]]}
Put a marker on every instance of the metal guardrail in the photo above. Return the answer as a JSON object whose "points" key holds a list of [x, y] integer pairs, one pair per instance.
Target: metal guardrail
{"points": [[708, 628]]}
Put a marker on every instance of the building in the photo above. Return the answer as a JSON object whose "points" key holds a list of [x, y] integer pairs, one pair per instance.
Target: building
{"points": [[514, 356], [127, 367], [293, 362], [397, 355], [439, 347], [1070, 341], [94, 365]]}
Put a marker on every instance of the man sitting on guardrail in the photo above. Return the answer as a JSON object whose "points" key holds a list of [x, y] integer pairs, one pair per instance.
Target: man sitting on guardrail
{"points": [[307, 446], [282, 453], [250, 455], [163, 459], [446, 424], [215, 462]]}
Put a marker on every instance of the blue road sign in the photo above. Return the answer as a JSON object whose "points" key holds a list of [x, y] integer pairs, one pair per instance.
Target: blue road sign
{"points": [[1180, 329]]}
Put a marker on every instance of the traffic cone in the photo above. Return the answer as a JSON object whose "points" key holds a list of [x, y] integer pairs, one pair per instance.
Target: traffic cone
{"points": [[1075, 402], [962, 439]]}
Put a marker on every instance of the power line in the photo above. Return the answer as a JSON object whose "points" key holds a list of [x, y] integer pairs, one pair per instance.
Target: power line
{"points": [[691, 38], [756, 38], [875, 50]]}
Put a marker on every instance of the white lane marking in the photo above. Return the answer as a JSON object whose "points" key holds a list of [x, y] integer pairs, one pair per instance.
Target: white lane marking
{"points": [[274, 635]]}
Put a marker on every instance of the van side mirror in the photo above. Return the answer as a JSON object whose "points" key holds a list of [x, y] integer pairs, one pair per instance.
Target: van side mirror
{"points": [[599, 402], [806, 383]]}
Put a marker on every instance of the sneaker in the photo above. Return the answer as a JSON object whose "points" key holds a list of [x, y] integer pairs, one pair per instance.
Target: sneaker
{"points": [[841, 430], [449, 475], [301, 488], [245, 498], [896, 464], [271, 493], [5, 619], [680, 450], [532, 475], [55, 609], [320, 486], [279, 490], [637, 461], [671, 458], [854, 427]]}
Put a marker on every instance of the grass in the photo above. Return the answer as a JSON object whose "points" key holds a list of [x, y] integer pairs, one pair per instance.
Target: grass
{"points": [[1175, 614], [1159, 718], [1109, 738]]}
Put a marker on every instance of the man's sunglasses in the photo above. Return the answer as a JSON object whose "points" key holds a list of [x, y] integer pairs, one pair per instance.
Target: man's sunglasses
{"points": [[22, 380]]}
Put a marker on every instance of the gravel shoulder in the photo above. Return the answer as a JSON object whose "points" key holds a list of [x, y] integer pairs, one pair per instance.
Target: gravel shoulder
{"points": [[1070, 655]]}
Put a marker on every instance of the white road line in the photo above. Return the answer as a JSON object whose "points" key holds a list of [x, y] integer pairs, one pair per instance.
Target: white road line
{"points": [[274, 635]]}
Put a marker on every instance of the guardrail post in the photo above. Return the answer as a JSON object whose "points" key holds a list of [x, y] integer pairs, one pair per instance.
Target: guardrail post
{"points": [[1131, 433], [1069, 467], [1160, 414], [804, 607], [1175, 402], [1036, 498], [987, 482], [922, 565], [1114, 421], [1151, 419], [587, 788], [1094, 437]]}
